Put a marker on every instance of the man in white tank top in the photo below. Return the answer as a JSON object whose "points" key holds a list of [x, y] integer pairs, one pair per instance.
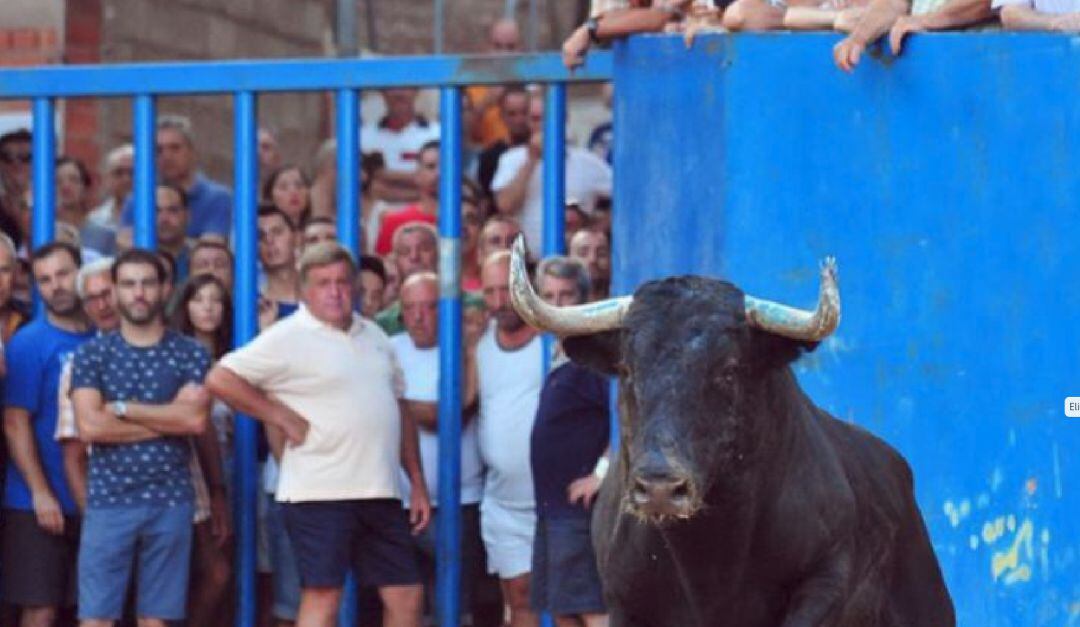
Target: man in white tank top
{"points": [[509, 360]]}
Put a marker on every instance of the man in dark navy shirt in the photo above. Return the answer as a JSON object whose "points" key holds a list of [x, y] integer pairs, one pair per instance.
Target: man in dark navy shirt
{"points": [[568, 441]]}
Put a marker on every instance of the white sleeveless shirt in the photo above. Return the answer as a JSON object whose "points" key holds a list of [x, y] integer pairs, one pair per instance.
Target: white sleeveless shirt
{"points": [[510, 383]]}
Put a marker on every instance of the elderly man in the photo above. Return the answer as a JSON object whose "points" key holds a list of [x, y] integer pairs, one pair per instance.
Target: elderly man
{"points": [[486, 124], [328, 384], [210, 202], [94, 286], [566, 451], [119, 177], [416, 249], [418, 352], [509, 375]]}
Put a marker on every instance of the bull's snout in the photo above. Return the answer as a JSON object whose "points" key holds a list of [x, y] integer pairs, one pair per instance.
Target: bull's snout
{"points": [[660, 495]]}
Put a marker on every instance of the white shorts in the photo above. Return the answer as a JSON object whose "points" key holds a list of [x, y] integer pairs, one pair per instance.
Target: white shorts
{"points": [[508, 537]]}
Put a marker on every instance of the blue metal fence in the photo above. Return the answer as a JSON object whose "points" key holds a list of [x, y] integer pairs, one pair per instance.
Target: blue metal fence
{"points": [[244, 81]]}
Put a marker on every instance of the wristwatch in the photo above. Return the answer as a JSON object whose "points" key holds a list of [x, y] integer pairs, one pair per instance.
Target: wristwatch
{"points": [[591, 26], [120, 409]]}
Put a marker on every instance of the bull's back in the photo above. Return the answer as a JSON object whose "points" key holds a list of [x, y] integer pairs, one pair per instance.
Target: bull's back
{"points": [[902, 563]]}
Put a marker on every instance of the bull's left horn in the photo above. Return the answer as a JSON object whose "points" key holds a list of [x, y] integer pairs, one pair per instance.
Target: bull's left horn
{"points": [[800, 324], [563, 321]]}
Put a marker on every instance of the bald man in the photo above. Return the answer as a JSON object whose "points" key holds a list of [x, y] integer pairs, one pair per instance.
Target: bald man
{"points": [[485, 119]]}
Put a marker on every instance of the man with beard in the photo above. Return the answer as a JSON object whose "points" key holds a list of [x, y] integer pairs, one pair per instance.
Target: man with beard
{"points": [[138, 394], [509, 361], [41, 525], [590, 247]]}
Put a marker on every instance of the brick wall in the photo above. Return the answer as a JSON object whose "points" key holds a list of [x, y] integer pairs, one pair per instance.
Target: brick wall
{"points": [[170, 30]]}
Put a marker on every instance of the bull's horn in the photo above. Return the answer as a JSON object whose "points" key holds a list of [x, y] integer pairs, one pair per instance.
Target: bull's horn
{"points": [[800, 324], [563, 321]]}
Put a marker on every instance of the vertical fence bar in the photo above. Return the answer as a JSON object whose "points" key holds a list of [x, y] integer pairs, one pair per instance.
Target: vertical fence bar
{"points": [[554, 177], [246, 295], [145, 174], [448, 553], [348, 228], [554, 169], [43, 216], [348, 149], [44, 172]]}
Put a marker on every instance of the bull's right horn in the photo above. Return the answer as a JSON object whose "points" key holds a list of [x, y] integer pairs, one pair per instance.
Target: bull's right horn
{"points": [[562, 321]]}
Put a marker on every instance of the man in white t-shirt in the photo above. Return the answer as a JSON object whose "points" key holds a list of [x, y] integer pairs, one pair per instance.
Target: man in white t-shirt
{"points": [[518, 184], [418, 353], [510, 373], [329, 382]]}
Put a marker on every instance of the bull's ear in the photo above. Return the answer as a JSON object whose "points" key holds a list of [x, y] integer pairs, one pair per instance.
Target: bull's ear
{"points": [[599, 351]]}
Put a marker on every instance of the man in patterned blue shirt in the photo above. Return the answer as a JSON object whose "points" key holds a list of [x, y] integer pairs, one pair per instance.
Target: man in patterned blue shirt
{"points": [[138, 394]]}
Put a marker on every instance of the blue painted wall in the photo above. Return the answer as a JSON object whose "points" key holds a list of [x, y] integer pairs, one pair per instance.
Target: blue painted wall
{"points": [[947, 183]]}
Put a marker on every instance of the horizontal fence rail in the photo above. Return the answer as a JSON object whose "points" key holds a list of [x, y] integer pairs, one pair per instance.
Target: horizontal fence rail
{"points": [[219, 77]]}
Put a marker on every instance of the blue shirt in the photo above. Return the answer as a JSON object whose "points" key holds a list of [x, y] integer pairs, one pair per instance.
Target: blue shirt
{"points": [[153, 472], [568, 437], [209, 202], [35, 358]]}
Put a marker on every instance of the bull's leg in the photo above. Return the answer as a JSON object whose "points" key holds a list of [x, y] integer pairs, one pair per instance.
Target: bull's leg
{"points": [[817, 596]]}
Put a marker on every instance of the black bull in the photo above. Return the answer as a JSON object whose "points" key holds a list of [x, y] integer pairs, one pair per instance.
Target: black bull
{"points": [[736, 501]]}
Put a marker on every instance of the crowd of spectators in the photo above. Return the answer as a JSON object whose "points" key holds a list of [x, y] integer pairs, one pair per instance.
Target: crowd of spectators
{"points": [[862, 21], [120, 398]]}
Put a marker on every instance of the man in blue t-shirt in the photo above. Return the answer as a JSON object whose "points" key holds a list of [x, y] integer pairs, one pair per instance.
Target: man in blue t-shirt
{"points": [[41, 525], [209, 202], [138, 394], [569, 438]]}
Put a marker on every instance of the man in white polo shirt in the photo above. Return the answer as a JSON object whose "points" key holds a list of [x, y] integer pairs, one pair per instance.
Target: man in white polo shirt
{"points": [[329, 383]]}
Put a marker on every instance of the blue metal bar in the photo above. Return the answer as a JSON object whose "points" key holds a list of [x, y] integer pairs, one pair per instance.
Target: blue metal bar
{"points": [[554, 242], [244, 298], [44, 173], [145, 173], [448, 551], [43, 216], [348, 149], [554, 169], [348, 228], [220, 77]]}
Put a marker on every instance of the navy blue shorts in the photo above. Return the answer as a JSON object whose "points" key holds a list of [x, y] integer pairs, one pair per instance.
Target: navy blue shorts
{"points": [[371, 536], [564, 578]]}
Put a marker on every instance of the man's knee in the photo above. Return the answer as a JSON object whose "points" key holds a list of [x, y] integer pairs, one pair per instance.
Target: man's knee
{"points": [[319, 604], [402, 600]]}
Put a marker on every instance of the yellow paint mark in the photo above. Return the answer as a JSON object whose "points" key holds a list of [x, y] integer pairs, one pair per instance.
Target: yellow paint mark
{"points": [[1008, 562], [993, 529]]}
